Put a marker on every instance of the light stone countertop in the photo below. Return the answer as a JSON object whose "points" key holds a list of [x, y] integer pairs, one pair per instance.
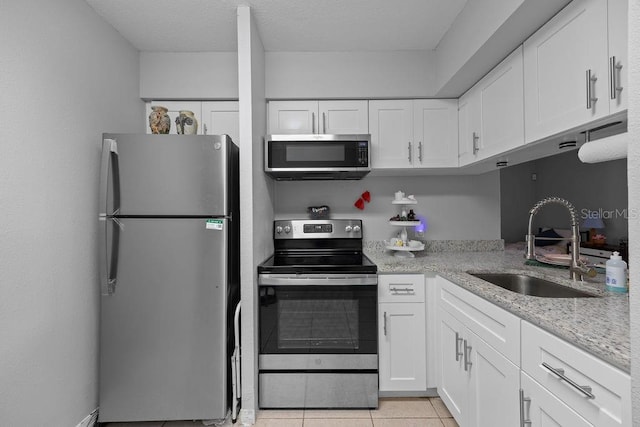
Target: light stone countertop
{"points": [[598, 325]]}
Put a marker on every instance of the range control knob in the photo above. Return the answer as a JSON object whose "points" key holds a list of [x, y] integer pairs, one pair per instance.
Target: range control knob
{"points": [[348, 229], [287, 229], [278, 229], [356, 228]]}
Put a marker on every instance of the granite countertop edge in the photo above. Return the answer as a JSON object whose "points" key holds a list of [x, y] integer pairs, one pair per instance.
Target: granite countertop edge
{"points": [[599, 326]]}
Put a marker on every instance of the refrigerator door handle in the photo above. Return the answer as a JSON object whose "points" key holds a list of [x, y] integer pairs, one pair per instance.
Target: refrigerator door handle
{"points": [[109, 263], [110, 163]]}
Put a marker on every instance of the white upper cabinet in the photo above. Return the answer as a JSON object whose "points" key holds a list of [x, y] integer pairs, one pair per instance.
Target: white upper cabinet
{"points": [[468, 127], [618, 64], [309, 117], [566, 70], [292, 117], [435, 132], [391, 127], [221, 117], [491, 114], [413, 133], [343, 117], [174, 108]]}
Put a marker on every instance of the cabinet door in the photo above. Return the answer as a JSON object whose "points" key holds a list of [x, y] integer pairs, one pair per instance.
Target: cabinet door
{"points": [[391, 128], [542, 408], [618, 63], [402, 358], [221, 117], [453, 380], [557, 59], [343, 117], [494, 391], [501, 100], [435, 133], [174, 108], [293, 117], [468, 127]]}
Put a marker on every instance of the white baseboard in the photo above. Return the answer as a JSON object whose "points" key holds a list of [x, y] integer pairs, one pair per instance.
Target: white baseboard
{"points": [[89, 420]]}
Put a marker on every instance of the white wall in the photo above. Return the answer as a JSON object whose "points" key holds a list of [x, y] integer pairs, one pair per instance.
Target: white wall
{"points": [[189, 75], [66, 77], [335, 75], [456, 207], [256, 205], [482, 35], [633, 167]]}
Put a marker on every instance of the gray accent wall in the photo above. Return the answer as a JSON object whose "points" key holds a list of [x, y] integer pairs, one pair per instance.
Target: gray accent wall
{"points": [[592, 188]]}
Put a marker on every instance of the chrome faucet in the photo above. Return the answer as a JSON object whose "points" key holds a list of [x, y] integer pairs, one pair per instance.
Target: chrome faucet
{"points": [[577, 268]]}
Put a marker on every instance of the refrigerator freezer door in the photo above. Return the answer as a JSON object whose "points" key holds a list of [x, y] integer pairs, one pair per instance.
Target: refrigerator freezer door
{"points": [[168, 175], [163, 330]]}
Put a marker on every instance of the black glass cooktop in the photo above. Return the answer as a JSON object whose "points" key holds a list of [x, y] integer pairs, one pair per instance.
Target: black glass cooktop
{"points": [[310, 262]]}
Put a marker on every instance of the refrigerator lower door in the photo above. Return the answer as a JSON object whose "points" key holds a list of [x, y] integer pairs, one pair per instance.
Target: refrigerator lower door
{"points": [[163, 330]]}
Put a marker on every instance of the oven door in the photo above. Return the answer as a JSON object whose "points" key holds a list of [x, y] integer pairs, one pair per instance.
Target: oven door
{"points": [[327, 314]]}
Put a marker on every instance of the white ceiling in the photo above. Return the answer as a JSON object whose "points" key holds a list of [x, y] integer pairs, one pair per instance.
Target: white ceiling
{"points": [[284, 25]]}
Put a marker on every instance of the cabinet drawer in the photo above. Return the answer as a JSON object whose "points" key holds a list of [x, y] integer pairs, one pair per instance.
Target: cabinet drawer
{"points": [[401, 288], [610, 400], [499, 328]]}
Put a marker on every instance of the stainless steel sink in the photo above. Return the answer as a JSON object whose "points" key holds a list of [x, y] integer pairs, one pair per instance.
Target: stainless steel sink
{"points": [[529, 285]]}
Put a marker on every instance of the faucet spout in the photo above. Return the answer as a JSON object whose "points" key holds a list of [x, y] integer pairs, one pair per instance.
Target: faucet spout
{"points": [[576, 269]]}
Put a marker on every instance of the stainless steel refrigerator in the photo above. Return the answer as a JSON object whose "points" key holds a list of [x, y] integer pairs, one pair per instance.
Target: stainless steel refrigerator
{"points": [[169, 258]]}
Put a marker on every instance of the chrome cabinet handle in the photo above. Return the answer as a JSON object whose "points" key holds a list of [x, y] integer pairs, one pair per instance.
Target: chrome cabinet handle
{"points": [[467, 356], [614, 69], [559, 372], [458, 353], [204, 128], [324, 123], [407, 290], [590, 80], [524, 422], [384, 326], [409, 145], [313, 122], [475, 144], [420, 151]]}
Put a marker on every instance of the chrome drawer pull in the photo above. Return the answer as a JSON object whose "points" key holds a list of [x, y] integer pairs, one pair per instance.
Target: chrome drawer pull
{"points": [[524, 422], [385, 324], [467, 356], [407, 290], [559, 372], [458, 353]]}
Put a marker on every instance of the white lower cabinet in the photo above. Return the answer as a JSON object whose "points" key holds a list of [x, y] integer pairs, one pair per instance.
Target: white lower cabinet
{"points": [[541, 408], [479, 386], [402, 333], [494, 386], [595, 390], [496, 370]]}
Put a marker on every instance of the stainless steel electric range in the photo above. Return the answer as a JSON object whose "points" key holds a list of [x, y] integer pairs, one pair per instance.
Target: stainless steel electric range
{"points": [[318, 318]]}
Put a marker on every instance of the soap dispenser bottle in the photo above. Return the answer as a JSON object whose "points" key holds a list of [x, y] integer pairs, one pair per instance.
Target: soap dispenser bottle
{"points": [[616, 273]]}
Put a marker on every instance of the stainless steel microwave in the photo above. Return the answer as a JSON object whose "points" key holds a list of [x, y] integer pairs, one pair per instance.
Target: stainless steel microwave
{"points": [[317, 156]]}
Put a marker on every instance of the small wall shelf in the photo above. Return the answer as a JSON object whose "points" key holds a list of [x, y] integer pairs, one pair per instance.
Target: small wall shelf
{"points": [[402, 247]]}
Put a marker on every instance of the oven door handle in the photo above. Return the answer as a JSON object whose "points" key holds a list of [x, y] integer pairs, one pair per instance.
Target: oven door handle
{"points": [[317, 279]]}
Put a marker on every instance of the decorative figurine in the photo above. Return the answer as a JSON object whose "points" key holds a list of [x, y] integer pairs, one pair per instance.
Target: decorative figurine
{"points": [[159, 120], [186, 123]]}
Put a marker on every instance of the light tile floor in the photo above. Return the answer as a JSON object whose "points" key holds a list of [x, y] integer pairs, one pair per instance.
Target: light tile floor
{"points": [[391, 412]]}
